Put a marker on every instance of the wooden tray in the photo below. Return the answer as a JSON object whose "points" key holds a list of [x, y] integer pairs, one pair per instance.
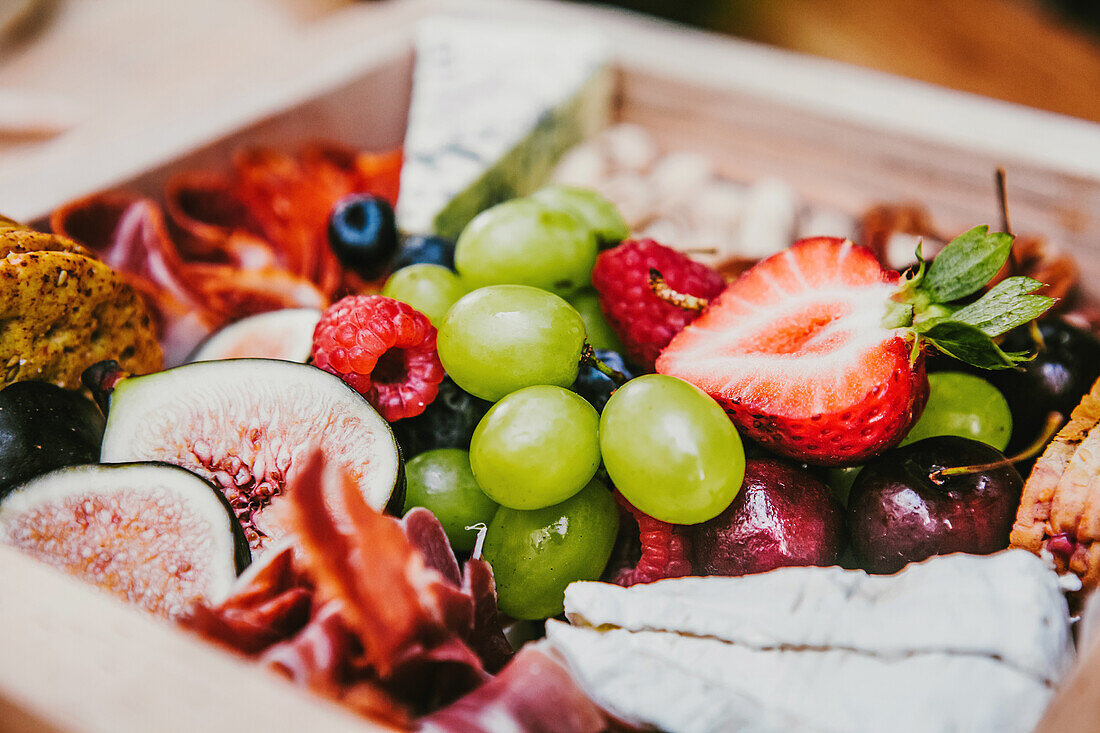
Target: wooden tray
{"points": [[74, 660]]}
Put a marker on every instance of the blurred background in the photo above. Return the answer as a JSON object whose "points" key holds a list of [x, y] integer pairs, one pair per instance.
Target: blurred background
{"points": [[1042, 54]]}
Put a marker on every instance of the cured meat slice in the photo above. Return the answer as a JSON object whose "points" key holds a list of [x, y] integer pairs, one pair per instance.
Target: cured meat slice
{"points": [[534, 693]]}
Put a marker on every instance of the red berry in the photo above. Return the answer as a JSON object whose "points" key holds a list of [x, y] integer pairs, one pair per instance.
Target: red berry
{"points": [[797, 352], [643, 322], [664, 550], [384, 349]]}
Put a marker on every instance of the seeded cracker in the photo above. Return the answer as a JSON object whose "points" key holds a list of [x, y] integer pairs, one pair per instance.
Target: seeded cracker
{"points": [[1060, 508], [61, 312], [25, 240]]}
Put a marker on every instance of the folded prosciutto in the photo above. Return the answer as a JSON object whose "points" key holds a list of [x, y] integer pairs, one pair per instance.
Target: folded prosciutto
{"points": [[378, 614], [223, 247]]}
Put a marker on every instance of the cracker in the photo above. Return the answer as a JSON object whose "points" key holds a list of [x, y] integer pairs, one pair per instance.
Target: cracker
{"points": [[14, 239], [1062, 496], [61, 312]]}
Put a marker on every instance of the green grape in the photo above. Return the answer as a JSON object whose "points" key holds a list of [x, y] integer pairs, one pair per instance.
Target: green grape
{"points": [[536, 554], [595, 211], [506, 337], [536, 447], [523, 242], [671, 450], [964, 405], [600, 335], [431, 289], [441, 481]]}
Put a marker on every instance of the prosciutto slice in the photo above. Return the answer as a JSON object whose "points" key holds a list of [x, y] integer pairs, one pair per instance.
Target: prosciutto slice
{"points": [[361, 607], [226, 246], [534, 693]]}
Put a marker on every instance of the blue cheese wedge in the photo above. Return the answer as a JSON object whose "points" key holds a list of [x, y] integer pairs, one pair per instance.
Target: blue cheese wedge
{"points": [[494, 105], [955, 643]]}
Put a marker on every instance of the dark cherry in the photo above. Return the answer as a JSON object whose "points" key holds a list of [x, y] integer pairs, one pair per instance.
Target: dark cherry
{"points": [[897, 514], [594, 385], [448, 422], [782, 516], [1060, 375], [362, 234], [425, 250]]}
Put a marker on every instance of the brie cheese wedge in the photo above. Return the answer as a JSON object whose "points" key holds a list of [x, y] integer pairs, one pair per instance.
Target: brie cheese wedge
{"points": [[955, 643]]}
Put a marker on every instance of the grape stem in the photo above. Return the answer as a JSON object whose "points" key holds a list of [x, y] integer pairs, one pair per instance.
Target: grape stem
{"points": [[1053, 422], [661, 289], [588, 356]]}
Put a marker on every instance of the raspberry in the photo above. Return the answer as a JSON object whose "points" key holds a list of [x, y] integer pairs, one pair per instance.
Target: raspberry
{"points": [[384, 349], [643, 322], [664, 550]]}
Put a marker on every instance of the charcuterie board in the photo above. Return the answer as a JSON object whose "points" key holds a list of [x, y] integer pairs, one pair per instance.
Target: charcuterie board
{"points": [[842, 138]]}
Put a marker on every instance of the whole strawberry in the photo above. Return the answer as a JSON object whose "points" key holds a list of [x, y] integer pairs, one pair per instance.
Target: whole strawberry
{"points": [[642, 321], [382, 348], [816, 352]]}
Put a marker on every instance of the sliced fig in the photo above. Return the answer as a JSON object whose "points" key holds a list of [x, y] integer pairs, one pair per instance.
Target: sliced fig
{"points": [[153, 534], [248, 425], [280, 334], [43, 427]]}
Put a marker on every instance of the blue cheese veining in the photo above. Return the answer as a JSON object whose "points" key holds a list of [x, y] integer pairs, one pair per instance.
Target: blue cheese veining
{"points": [[494, 106]]}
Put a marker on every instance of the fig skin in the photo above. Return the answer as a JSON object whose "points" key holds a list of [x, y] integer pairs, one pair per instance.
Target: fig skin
{"points": [[781, 517], [897, 515], [44, 427]]}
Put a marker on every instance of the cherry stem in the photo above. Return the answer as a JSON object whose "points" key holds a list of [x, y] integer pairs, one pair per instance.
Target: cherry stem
{"points": [[1013, 263], [661, 289], [1053, 422], [588, 356], [1002, 196], [1006, 225]]}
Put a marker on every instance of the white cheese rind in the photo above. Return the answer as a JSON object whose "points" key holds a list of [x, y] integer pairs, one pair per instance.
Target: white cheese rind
{"points": [[1007, 605], [686, 684], [494, 105], [956, 643]]}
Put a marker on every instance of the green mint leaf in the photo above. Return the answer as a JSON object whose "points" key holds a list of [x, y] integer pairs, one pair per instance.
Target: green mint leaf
{"points": [[969, 344], [1008, 304], [966, 264]]}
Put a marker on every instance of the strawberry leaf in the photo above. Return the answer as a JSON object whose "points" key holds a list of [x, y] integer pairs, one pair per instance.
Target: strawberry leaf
{"points": [[966, 264], [1008, 304], [969, 344]]}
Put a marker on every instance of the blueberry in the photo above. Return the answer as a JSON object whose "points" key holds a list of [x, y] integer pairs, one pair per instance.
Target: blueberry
{"points": [[362, 234], [426, 250], [594, 385], [448, 422]]}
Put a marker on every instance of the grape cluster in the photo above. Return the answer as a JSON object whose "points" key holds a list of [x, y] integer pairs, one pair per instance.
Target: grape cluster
{"points": [[520, 327]]}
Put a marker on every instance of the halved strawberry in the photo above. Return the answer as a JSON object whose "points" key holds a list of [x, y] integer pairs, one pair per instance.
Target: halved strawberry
{"points": [[814, 352]]}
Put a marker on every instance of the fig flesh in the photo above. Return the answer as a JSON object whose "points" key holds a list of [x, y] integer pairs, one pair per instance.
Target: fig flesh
{"points": [[43, 427], [280, 334], [153, 534], [248, 425]]}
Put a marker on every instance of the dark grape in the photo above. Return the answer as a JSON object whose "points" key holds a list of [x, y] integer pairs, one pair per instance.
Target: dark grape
{"points": [[448, 422]]}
